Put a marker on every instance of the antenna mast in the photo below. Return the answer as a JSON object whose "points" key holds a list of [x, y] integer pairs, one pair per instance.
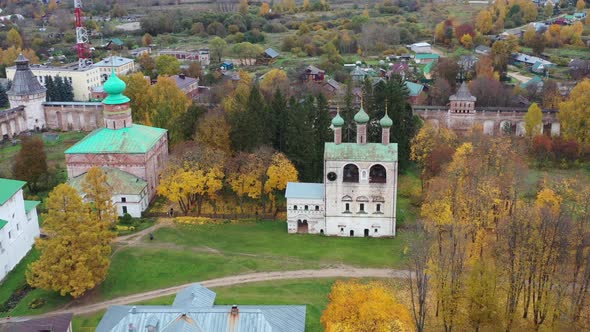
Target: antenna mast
{"points": [[81, 37]]}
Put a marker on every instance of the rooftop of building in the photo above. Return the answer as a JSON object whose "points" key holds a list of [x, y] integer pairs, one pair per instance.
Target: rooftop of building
{"points": [[55, 323], [120, 182], [132, 140], [271, 53], [414, 88], [372, 152], [182, 81], [24, 83], [305, 190], [70, 67], [113, 61], [423, 56], [30, 205], [8, 188], [463, 94], [193, 310]]}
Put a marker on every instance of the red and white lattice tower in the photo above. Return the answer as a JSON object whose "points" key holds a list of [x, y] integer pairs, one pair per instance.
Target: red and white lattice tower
{"points": [[81, 37]]}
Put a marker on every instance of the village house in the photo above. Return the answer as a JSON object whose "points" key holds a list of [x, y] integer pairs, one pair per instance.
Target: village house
{"points": [[415, 91], [188, 85], [139, 150], [422, 47], [483, 50], [19, 224], [424, 58], [137, 52], [201, 55], [194, 310], [359, 193], [267, 57], [313, 73]]}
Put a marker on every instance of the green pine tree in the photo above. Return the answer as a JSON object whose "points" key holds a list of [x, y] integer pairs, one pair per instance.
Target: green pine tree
{"points": [[50, 85], [68, 91], [299, 139], [278, 111], [3, 97], [323, 134], [250, 127]]}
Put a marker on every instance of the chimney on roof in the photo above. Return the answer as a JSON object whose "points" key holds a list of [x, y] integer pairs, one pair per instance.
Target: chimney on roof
{"points": [[134, 310], [234, 310]]}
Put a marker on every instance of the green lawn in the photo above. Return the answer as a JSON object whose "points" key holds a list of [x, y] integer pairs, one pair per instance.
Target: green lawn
{"points": [[271, 240], [16, 278]]}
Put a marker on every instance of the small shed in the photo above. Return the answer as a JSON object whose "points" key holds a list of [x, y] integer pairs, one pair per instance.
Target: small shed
{"points": [[267, 57]]}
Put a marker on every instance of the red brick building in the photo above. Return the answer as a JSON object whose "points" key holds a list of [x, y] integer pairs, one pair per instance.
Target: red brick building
{"points": [[138, 150]]}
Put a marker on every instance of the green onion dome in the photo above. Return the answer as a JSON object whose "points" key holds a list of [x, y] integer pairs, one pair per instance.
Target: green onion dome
{"points": [[338, 121], [114, 87], [386, 121], [361, 117]]}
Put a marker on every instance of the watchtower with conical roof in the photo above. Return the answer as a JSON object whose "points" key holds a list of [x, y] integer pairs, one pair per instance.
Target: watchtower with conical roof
{"points": [[462, 101], [28, 92]]}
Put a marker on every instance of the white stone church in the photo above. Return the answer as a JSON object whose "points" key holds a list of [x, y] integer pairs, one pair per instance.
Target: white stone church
{"points": [[359, 193]]}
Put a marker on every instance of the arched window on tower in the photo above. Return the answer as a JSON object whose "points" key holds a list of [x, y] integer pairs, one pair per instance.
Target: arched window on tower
{"points": [[377, 174], [351, 173]]}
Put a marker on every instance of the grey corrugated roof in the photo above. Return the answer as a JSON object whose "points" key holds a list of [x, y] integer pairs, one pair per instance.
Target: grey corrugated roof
{"points": [[56, 323], [208, 318], [271, 53], [463, 94], [24, 82], [195, 296], [305, 190]]}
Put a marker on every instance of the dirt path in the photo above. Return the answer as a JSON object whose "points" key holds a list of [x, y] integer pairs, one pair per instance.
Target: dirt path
{"points": [[344, 272], [519, 76]]}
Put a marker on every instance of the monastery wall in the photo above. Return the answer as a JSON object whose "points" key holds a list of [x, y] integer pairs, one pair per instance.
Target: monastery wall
{"points": [[73, 115]]}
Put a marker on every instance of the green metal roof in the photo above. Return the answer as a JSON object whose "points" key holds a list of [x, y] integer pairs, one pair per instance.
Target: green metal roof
{"points": [[134, 139], [376, 152], [119, 181], [8, 188], [3, 223], [428, 68], [415, 88], [29, 205], [422, 56]]}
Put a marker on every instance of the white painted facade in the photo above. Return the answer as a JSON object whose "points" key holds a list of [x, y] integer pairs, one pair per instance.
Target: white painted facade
{"points": [[34, 111], [359, 194], [18, 235], [132, 204]]}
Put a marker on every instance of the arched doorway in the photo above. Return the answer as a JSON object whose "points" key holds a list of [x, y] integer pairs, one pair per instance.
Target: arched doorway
{"points": [[302, 226], [351, 232]]}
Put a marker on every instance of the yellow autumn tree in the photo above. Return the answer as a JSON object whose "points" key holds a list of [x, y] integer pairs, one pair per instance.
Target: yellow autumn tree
{"points": [[190, 185], [273, 80], [467, 41], [97, 190], [245, 175], [75, 257], [483, 23], [279, 173], [138, 87], [533, 121], [14, 39], [573, 114], [364, 307], [238, 93], [213, 131], [9, 55], [264, 9], [580, 5], [243, 7], [306, 6], [167, 103]]}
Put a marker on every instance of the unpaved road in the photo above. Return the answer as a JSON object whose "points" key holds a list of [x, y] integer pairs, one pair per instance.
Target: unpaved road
{"points": [[344, 272], [519, 76]]}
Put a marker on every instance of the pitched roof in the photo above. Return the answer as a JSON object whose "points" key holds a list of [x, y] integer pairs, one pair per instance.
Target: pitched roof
{"points": [[30, 205], [24, 82], [415, 88], [56, 323], [117, 41], [184, 81], [313, 70], [463, 94], [251, 318], [195, 296], [271, 53], [119, 181], [361, 152], [134, 139], [483, 49], [305, 190], [3, 223], [536, 80], [428, 68], [8, 188]]}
